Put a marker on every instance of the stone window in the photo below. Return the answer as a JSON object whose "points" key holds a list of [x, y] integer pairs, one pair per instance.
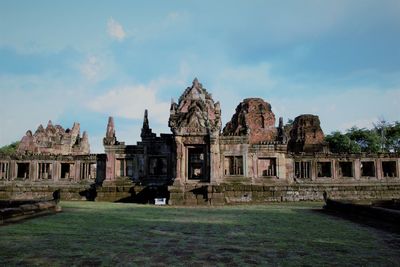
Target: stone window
{"points": [[389, 168], [368, 169], [23, 170], [87, 171], [129, 167], [124, 167], [67, 170], [345, 169], [4, 166], [266, 167], [120, 167], [45, 170], [233, 165], [324, 169], [302, 169], [158, 166]]}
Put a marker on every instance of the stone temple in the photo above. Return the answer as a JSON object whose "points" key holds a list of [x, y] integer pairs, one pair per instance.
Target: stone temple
{"points": [[252, 159]]}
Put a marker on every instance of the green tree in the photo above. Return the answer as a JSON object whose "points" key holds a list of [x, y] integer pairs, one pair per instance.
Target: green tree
{"points": [[368, 140], [9, 149], [392, 137], [341, 143]]}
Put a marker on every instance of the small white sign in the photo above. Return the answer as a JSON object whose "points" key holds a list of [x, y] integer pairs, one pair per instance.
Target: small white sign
{"points": [[160, 201]]}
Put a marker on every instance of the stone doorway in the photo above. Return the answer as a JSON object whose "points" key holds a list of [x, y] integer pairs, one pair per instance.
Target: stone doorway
{"points": [[197, 163]]}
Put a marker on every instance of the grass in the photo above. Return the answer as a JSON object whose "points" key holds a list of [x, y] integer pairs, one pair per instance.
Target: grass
{"points": [[116, 234]]}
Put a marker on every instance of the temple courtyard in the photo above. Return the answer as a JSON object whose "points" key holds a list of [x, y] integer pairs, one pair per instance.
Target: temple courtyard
{"points": [[120, 234]]}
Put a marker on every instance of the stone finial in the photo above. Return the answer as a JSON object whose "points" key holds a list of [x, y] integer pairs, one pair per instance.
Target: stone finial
{"points": [[280, 122], [85, 136], [146, 120], [75, 129], [146, 130], [110, 127], [40, 129], [282, 137], [85, 146], [110, 138], [195, 82]]}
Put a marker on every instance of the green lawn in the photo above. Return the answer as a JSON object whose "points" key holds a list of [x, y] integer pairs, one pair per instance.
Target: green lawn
{"points": [[116, 234]]}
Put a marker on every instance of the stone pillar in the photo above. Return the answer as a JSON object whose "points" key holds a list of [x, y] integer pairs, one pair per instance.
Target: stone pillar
{"points": [[56, 170], [214, 161], [110, 166], [13, 170], [32, 170], [313, 170], [398, 168], [334, 168], [180, 161], [77, 170], [357, 169], [378, 169], [288, 168], [254, 166]]}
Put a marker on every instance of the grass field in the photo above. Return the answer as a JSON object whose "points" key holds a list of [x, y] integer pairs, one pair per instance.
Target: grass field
{"points": [[116, 234]]}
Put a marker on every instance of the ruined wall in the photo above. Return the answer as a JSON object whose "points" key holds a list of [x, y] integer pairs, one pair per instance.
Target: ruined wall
{"points": [[306, 134], [253, 117], [55, 140]]}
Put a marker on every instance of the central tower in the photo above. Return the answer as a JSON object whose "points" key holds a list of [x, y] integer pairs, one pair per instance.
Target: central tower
{"points": [[195, 122]]}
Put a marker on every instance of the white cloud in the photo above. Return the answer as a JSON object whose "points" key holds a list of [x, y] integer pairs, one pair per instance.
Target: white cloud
{"points": [[131, 101], [91, 68], [341, 110], [115, 30], [28, 102]]}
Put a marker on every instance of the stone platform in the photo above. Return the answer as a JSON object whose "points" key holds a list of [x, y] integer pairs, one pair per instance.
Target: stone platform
{"points": [[208, 194]]}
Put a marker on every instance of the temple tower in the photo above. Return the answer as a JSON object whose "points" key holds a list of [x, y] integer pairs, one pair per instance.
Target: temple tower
{"points": [[195, 122]]}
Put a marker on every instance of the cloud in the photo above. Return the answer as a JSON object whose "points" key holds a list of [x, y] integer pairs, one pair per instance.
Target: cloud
{"points": [[28, 102], [340, 110], [130, 102], [115, 30], [91, 68]]}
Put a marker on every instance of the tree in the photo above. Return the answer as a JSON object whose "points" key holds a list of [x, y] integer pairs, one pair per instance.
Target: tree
{"points": [[368, 140], [392, 140], [9, 149], [341, 143], [355, 140]]}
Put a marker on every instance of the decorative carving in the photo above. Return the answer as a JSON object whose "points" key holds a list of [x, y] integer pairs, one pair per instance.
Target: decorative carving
{"points": [[253, 117], [195, 113], [55, 140]]}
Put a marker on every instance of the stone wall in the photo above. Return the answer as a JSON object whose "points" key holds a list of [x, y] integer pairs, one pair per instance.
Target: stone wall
{"points": [[250, 194]]}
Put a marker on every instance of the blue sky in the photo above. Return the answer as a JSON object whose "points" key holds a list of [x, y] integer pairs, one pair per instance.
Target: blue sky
{"points": [[85, 60]]}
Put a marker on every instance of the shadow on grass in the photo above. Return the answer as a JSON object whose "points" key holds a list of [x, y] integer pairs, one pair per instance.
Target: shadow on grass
{"points": [[362, 220], [149, 235], [147, 195]]}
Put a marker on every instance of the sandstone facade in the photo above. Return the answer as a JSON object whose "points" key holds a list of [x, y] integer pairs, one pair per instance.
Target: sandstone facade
{"points": [[252, 159], [55, 140]]}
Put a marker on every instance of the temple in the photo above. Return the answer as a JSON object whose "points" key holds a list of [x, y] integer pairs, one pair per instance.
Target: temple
{"points": [[251, 159]]}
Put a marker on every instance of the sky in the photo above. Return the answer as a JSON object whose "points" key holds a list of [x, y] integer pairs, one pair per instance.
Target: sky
{"points": [[83, 61]]}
